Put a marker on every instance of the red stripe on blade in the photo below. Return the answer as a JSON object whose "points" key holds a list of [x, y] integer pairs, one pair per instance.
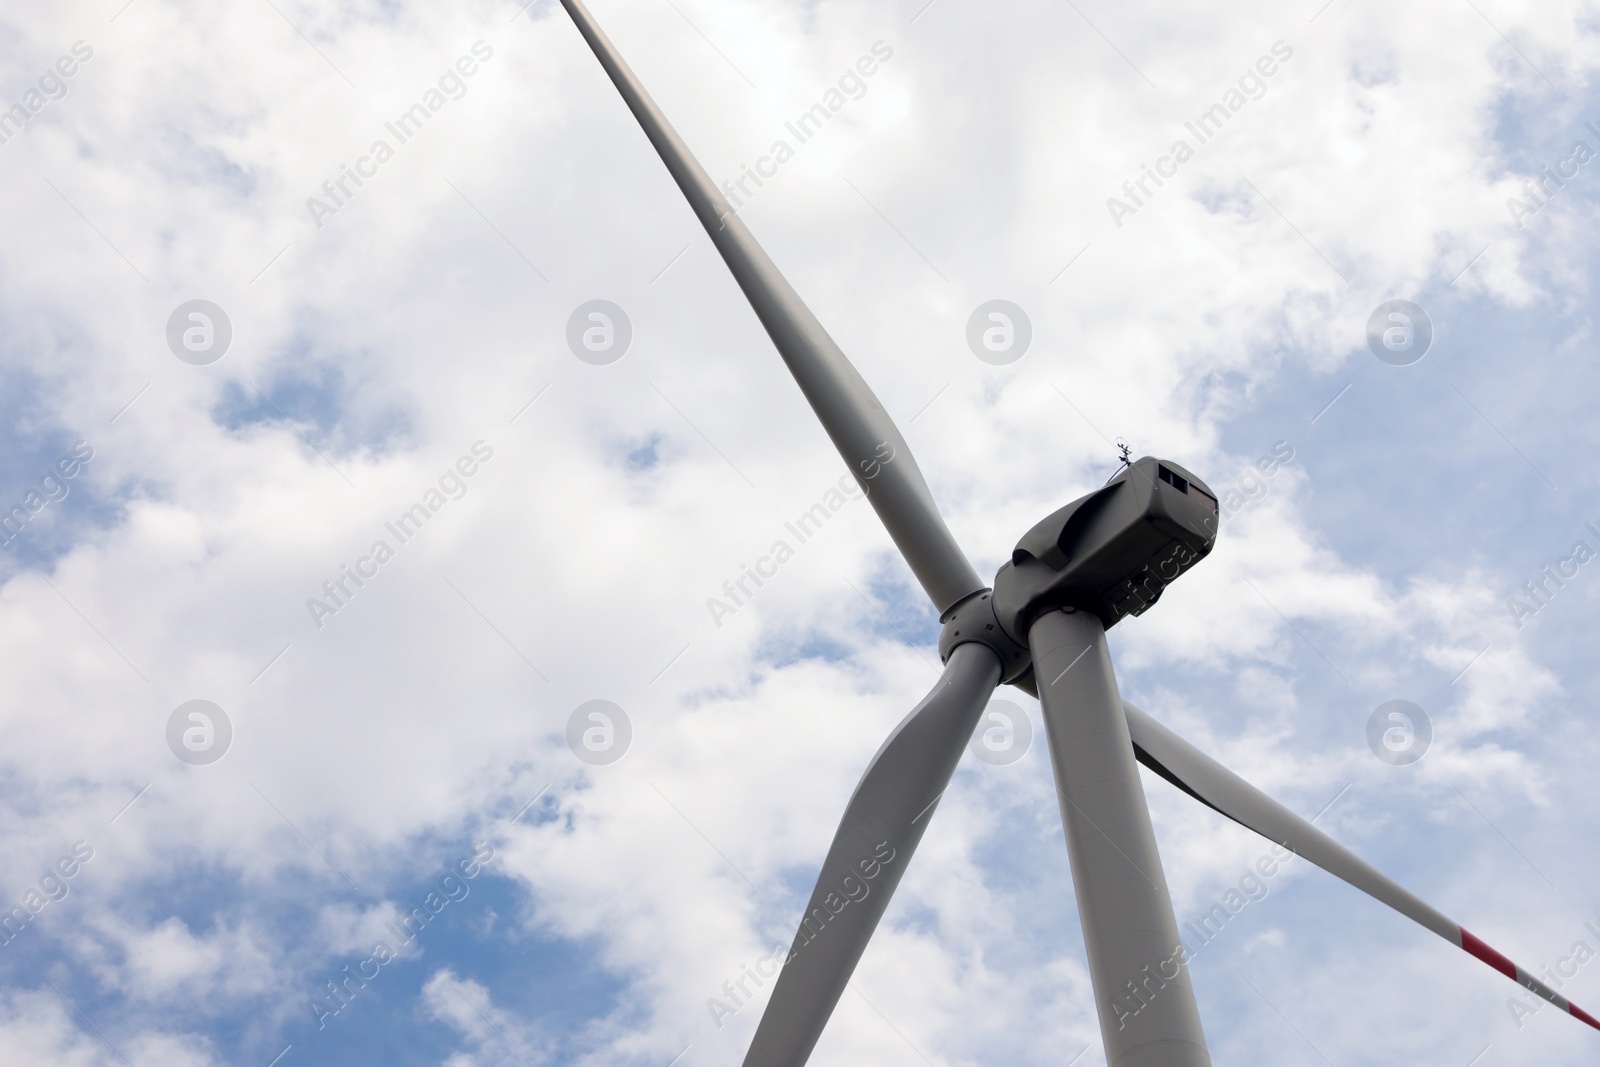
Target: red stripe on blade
{"points": [[1585, 1016], [1488, 955]]}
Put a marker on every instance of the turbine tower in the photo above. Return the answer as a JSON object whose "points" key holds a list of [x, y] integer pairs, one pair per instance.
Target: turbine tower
{"points": [[1041, 627]]}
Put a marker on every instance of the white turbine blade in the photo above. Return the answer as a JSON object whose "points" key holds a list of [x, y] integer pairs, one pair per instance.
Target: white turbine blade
{"points": [[860, 428], [1142, 986], [1214, 785], [881, 828]]}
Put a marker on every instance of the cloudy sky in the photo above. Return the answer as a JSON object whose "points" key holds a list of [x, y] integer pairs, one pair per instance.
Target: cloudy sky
{"points": [[184, 495]]}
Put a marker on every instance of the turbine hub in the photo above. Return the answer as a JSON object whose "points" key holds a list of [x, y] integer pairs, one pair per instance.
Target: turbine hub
{"points": [[973, 621]]}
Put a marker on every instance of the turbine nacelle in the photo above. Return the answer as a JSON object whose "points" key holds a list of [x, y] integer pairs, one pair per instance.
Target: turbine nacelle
{"points": [[1111, 552]]}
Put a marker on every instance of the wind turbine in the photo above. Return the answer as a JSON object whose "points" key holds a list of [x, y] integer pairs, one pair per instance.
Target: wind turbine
{"points": [[1042, 628]]}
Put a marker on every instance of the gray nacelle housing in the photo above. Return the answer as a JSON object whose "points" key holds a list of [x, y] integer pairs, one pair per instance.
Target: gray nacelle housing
{"points": [[1111, 552]]}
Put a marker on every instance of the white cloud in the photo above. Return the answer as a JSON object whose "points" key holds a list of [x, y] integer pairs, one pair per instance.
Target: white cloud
{"points": [[467, 1008], [412, 325], [37, 1027]]}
